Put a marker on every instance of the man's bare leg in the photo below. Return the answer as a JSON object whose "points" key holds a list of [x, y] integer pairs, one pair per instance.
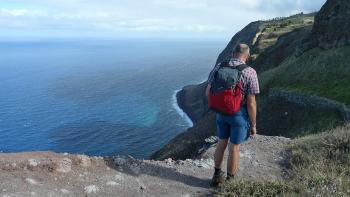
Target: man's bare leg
{"points": [[219, 153], [233, 159], [219, 175]]}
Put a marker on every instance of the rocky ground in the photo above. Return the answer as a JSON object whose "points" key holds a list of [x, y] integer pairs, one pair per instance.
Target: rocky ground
{"points": [[52, 174]]}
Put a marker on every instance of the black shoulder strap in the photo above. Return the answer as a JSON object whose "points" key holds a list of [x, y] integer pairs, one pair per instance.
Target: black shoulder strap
{"points": [[242, 67], [224, 64], [239, 67]]}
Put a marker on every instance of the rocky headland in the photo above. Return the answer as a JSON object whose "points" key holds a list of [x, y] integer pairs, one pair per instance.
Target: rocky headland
{"points": [[273, 44]]}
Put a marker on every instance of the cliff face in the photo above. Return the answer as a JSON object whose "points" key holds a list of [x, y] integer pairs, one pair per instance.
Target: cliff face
{"points": [[272, 42], [247, 35], [276, 38], [192, 101], [286, 45], [332, 25], [187, 144]]}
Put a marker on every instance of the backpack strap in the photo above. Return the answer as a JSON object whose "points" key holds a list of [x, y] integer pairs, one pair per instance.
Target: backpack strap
{"points": [[225, 64], [241, 67]]}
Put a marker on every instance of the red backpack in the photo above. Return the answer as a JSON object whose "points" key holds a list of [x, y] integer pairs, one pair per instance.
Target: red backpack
{"points": [[226, 94]]}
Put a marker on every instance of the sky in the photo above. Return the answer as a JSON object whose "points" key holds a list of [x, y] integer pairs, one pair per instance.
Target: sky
{"points": [[215, 19]]}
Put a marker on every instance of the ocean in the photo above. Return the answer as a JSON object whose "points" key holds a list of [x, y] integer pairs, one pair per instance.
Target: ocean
{"points": [[97, 97]]}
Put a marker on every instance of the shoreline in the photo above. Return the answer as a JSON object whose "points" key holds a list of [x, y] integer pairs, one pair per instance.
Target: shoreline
{"points": [[179, 111]]}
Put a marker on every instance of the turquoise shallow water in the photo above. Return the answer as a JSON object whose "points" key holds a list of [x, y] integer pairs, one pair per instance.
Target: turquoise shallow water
{"points": [[96, 97]]}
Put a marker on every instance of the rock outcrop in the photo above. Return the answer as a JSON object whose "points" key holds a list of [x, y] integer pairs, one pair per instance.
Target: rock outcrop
{"points": [[187, 144], [332, 24], [248, 35], [39, 174], [192, 101]]}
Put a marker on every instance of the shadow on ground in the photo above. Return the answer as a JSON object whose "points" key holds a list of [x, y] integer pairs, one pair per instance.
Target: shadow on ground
{"points": [[156, 170]]}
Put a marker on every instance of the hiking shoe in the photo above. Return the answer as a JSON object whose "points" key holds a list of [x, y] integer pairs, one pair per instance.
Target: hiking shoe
{"points": [[218, 179], [229, 177]]}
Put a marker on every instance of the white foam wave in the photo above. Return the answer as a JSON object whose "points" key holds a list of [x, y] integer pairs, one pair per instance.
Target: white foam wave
{"points": [[180, 111]]}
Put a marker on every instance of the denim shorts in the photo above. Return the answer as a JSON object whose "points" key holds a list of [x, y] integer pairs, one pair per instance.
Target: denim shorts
{"points": [[233, 127]]}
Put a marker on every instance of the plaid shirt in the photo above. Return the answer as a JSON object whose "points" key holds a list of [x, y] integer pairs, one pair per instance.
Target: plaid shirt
{"points": [[249, 77]]}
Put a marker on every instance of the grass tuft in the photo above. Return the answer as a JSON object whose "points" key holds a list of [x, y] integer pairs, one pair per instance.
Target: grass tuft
{"points": [[319, 165], [249, 188]]}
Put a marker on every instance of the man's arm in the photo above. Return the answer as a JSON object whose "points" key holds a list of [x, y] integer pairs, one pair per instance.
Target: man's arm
{"points": [[252, 108]]}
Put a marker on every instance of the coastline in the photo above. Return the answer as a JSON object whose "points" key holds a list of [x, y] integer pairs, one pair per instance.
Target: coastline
{"points": [[179, 110], [192, 104], [192, 101]]}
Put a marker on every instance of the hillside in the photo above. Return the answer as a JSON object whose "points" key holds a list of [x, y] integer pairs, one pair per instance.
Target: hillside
{"points": [[271, 42], [277, 37], [298, 54], [323, 69]]}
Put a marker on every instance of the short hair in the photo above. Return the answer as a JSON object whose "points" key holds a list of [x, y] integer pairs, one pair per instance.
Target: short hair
{"points": [[242, 49]]}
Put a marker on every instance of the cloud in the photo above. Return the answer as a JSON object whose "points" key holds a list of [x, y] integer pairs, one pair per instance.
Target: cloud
{"points": [[21, 13], [157, 17], [283, 6]]}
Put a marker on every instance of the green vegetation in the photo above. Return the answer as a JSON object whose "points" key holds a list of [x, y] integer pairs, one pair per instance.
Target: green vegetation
{"points": [[321, 163], [250, 188], [292, 120], [324, 73], [319, 166], [295, 20], [273, 29]]}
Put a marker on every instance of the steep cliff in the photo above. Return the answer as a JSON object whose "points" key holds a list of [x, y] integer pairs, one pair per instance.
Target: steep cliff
{"points": [[262, 35], [277, 38], [270, 41], [332, 26], [248, 34], [286, 55], [193, 105], [187, 144]]}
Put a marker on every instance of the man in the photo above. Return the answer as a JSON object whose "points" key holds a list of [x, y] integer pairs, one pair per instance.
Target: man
{"points": [[238, 127]]}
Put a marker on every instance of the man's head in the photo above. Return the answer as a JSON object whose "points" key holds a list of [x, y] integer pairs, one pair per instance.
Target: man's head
{"points": [[241, 52]]}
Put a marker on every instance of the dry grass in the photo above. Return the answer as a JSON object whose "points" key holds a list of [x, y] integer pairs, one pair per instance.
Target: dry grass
{"points": [[319, 164]]}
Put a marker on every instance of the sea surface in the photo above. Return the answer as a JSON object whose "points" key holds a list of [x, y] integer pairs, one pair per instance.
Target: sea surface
{"points": [[97, 97]]}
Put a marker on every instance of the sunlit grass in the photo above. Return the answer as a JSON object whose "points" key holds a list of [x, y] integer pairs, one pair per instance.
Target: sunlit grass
{"points": [[324, 73]]}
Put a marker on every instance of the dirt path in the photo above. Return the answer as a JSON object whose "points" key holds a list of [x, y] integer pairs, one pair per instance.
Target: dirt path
{"points": [[52, 174]]}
